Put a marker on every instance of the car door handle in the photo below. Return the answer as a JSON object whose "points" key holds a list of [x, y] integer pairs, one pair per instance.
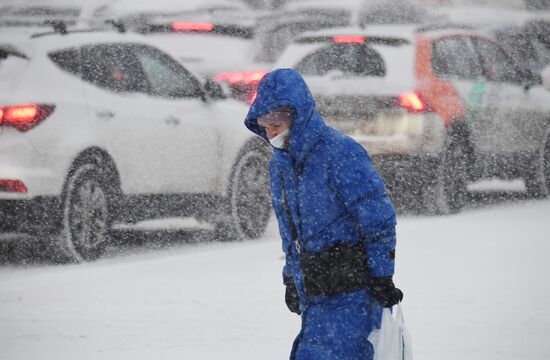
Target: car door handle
{"points": [[172, 120], [105, 114]]}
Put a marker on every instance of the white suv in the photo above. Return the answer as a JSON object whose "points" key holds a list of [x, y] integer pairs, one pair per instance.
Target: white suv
{"points": [[437, 107], [99, 127]]}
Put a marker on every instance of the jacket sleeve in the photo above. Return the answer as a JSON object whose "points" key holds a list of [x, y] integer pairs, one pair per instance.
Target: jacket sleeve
{"points": [[362, 192], [276, 188]]}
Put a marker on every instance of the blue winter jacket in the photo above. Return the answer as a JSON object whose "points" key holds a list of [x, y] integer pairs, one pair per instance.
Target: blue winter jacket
{"points": [[334, 194]]}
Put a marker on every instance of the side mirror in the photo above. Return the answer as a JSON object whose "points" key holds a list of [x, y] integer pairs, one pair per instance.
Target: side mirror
{"points": [[213, 90], [530, 79]]}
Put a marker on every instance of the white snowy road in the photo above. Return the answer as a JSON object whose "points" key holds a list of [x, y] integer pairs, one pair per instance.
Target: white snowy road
{"points": [[475, 288]]}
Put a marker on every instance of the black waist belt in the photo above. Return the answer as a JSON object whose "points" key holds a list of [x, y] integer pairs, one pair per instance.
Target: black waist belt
{"points": [[337, 270]]}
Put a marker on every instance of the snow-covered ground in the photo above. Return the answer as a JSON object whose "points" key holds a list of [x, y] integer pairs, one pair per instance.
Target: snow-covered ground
{"points": [[475, 288]]}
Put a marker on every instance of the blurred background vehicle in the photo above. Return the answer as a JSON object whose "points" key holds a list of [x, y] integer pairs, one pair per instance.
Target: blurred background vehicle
{"points": [[435, 107], [523, 32], [276, 30], [35, 13], [215, 39], [100, 127], [526, 46]]}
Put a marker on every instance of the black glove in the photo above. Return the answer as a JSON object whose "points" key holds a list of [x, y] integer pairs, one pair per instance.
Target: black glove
{"points": [[291, 295], [385, 292]]}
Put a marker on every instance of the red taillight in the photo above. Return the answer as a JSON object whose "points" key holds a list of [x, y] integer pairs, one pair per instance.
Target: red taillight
{"points": [[255, 76], [413, 102], [243, 83], [192, 26], [25, 117], [348, 39], [13, 186], [1, 115]]}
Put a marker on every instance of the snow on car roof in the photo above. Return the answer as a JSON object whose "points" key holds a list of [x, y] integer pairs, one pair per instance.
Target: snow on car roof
{"points": [[348, 4], [354, 7], [399, 60], [405, 32], [126, 7], [199, 52], [487, 16], [203, 52], [30, 45]]}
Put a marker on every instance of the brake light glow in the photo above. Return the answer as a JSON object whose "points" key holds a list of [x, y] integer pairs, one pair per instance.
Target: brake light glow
{"points": [[348, 39], [245, 77], [413, 102], [192, 26], [13, 186], [25, 117]]}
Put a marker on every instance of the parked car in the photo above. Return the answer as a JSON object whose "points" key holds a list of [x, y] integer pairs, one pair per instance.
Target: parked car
{"points": [[216, 40], [99, 127], [36, 13], [276, 31], [487, 14], [201, 43], [21, 15], [524, 45], [435, 107]]}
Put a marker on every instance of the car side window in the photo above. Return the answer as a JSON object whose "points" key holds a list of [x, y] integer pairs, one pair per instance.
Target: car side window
{"points": [[113, 67], [369, 62], [454, 57], [319, 62], [168, 78], [356, 60], [497, 65], [68, 60]]}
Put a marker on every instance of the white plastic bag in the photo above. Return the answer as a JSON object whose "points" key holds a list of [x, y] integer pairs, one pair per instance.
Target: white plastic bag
{"points": [[392, 341]]}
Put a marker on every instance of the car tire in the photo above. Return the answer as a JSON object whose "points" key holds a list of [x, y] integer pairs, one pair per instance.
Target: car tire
{"points": [[248, 205], [537, 181], [447, 191], [86, 214]]}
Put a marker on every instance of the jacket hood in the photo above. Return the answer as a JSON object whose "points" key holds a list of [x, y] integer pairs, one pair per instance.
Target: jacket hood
{"points": [[286, 87]]}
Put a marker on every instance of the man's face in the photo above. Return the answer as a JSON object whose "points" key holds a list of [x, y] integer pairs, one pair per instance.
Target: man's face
{"points": [[275, 122]]}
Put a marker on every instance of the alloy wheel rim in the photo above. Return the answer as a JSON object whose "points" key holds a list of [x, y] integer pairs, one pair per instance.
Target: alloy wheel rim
{"points": [[546, 167], [88, 218], [250, 191]]}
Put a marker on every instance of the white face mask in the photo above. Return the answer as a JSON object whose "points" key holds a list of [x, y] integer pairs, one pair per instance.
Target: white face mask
{"points": [[279, 141]]}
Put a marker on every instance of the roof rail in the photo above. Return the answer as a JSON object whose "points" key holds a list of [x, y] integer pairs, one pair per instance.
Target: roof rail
{"points": [[59, 26], [117, 24], [443, 26], [8, 50], [37, 35]]}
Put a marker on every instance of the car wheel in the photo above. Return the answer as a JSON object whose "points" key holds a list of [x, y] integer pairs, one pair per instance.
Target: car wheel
{"points": [[249, 201], [447, 192], [537, 181], [86, 219]]}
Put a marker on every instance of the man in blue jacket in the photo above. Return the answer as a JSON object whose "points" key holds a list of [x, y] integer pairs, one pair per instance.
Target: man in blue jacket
{"points": [[335, 219]]}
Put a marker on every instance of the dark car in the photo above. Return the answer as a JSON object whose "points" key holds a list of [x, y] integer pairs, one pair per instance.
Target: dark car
{"points": [[525, 46]]}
